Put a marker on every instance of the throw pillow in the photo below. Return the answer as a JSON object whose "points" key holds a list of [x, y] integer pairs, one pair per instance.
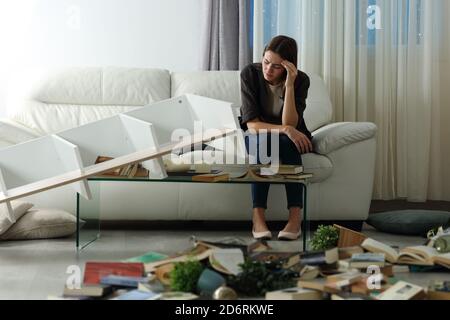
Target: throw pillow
{"points": [[408, 222], [19, 209], [42, 224]]}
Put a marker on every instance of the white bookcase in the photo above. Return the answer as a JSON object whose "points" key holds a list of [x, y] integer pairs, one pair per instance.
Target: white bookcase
{"points": [[143, 135]]}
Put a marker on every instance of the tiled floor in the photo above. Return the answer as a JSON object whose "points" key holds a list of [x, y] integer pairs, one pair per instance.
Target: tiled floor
{"points": [[37, 269]]}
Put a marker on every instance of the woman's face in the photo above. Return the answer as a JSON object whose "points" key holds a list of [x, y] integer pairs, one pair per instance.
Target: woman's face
{"points": [[272, 68]]}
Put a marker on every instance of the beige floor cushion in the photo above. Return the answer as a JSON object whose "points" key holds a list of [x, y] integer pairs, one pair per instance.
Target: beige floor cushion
{"points": [[19, 209], [42, 224]]}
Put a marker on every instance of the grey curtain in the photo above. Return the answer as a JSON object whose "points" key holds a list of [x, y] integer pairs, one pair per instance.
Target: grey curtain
{"points": [[225, 34]]}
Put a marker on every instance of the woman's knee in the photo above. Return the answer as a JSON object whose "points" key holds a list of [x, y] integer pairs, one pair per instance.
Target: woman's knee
{"points": [[287, 144]]}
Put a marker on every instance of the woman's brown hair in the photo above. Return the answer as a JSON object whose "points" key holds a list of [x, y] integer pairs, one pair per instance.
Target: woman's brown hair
{"points": [[285, 47]]}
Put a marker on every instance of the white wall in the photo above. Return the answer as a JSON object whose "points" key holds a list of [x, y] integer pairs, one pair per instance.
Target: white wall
{"points": [[135, 33]]}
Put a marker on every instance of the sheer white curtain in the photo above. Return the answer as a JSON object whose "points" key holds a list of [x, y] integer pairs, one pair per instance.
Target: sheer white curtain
{"points": [[384, 61]]}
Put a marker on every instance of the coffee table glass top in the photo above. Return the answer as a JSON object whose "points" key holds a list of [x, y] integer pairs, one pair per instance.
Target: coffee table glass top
{"points": [[88, 211]]}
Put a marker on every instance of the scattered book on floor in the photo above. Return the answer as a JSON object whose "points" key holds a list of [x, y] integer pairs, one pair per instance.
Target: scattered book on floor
{"points": [[340, 266], [400, 269], [199, 252], [438, 290], [347, 252], [294, 294], [88, 290], [283, 259], [227, 261], [319, 284], [375, 246], [390, 270], [147, 257], [281, 169], [94, 271], [403, 291], [211, 177], [414, 255], [138, 295], [232, 242], [423, 255], [363, 287], [152, 286], [350, 296], [314, 258], [123, 281], [348, 237], [162, 273], [309, 273], [177, 295], [365, 260], [339, 281]]}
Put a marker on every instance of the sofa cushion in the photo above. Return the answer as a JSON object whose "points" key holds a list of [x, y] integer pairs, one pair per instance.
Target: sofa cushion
{"points": [[52, 118], [101, 86], [408, 222], [320, 166], [220, 85], [42, 224], [225, 85], [337, 135], [134, 86], [12, 132], [57, 100], [319, 110]]}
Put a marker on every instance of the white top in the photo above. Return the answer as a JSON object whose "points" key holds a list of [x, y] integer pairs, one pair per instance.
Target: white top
{"points": [[275, 103]]}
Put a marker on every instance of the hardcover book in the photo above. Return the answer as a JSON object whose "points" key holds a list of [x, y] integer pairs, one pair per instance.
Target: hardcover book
{"points": [[94, 271], [415, 255]]}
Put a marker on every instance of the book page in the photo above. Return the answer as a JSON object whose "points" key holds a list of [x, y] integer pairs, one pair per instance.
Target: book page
{"points": [[414, 259], [443, 259], [230, 259], [379, 247], [426, 252]]}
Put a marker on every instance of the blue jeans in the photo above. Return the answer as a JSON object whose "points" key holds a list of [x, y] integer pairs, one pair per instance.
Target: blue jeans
{"points": [[289, 155]]}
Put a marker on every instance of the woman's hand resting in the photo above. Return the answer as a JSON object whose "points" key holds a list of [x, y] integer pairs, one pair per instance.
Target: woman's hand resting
{"points": [[300, 140]]}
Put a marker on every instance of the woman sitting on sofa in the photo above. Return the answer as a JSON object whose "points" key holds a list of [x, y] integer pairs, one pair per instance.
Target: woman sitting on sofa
{"points": [[273, 102]]}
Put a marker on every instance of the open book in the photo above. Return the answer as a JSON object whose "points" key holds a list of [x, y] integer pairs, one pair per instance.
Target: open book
{"points": [[199, 252], [253, 174], [281, 169], [416, 255]]}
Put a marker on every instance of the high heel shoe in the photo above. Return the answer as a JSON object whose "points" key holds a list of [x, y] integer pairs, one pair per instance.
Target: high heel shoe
{"points": [[289, 236], [265, 235]]}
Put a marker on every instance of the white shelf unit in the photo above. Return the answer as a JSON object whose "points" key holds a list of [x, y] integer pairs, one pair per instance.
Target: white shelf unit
{"points": [[143, 135]]}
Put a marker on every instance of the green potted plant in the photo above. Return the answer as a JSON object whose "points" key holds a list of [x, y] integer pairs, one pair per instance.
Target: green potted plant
{"points": [[257, 278], [325, 237], [185, 275]]}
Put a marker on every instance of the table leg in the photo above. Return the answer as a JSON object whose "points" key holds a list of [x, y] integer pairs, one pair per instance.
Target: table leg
{"points": [[88, 211], [305, 222]]}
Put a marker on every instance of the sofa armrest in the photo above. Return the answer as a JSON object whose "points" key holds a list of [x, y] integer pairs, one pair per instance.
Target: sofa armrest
{"points": [[12, 133], [337, 135]]}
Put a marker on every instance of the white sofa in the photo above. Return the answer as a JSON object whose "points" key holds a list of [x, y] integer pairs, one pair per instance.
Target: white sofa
{"points": [[343, 164]]}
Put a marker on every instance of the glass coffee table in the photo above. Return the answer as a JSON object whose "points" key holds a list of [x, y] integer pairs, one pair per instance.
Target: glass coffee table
{"points": [[88, 211]]}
